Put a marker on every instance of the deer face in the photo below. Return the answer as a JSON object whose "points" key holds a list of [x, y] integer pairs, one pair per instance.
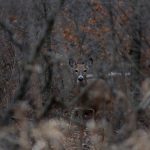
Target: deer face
{"points": [[80, 71]]}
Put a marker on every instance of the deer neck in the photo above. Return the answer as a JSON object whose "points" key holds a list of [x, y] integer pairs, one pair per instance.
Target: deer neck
{"points": [[82, 84]]}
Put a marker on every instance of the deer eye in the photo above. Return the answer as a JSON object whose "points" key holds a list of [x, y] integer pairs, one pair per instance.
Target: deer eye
{"points": [[85, 70], [76, 70]]}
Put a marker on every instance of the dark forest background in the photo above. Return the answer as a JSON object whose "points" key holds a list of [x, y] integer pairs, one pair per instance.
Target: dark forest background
{"points": [[38, 103]]}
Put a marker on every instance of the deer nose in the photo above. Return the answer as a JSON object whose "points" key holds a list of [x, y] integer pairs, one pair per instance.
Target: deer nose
{"points": [[80, 78]]}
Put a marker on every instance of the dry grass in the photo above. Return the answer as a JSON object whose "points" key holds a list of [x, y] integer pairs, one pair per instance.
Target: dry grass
{"points": [[113, 125]]}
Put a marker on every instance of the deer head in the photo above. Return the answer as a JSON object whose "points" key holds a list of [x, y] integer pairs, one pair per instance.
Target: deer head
{"points": [[80, 70]]}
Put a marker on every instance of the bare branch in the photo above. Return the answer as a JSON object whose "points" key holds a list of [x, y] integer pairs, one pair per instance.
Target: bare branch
{"points": [[27, 73], [21, 91]]}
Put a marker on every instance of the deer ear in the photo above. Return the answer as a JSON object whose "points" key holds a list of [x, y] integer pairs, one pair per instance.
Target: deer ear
{"points": [[72, 63]]}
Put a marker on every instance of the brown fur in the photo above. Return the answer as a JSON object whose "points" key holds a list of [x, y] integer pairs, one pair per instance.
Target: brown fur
{"points": [[98, 96]]}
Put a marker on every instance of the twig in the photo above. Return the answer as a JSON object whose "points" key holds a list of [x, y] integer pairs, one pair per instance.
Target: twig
{"points": [[7, 30], [144, 103]]}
